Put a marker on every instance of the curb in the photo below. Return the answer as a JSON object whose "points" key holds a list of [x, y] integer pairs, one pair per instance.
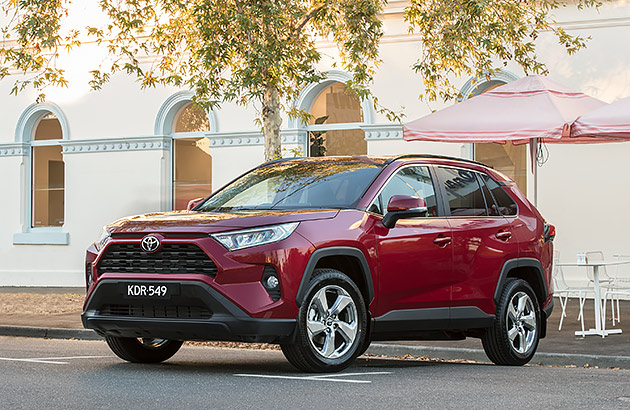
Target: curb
{"points": [[446, 353], [478, 355], [52, 333]]}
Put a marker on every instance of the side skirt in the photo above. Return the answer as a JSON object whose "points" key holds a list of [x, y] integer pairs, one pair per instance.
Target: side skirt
{"points": [[430, 324]]}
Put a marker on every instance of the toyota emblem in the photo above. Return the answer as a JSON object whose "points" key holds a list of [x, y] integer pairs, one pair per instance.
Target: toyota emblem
{"points": [[150, 243]]}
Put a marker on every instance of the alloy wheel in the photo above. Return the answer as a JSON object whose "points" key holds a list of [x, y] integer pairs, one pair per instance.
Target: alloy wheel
{"points": [[332, 322], [521, 323]]}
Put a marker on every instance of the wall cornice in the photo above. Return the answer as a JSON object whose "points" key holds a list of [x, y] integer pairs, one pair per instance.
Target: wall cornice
{"points": [[116, 144], [380, 132], [14, 149], [231, 139], [160, 142]]}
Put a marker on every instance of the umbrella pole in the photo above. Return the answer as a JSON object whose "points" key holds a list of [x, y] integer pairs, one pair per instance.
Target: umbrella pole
{"points": [[533, 153]]}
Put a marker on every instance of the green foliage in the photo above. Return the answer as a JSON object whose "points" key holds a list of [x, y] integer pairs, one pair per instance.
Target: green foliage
{"points": [[296, 152], [476, 37], [316, 139], [30, 42], [263, 51]]}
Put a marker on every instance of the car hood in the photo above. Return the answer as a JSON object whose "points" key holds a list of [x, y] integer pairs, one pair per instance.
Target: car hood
{"points": [[210, 222]]}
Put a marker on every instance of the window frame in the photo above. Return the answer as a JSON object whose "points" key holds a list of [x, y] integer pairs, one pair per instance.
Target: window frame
{"points": [[167, 119], [439, 200], [481, 183], [25, 133]]}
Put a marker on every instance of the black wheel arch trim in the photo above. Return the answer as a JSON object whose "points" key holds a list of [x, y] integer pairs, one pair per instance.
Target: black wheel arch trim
{"points": [[521, 263], [335, 251]]}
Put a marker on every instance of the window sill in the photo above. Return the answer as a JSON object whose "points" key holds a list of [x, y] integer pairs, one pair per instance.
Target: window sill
{"points": [[41, 237]]}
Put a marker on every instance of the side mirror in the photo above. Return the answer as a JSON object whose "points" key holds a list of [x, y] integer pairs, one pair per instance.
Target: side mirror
{"points": [[402, 207], [193, 203]]}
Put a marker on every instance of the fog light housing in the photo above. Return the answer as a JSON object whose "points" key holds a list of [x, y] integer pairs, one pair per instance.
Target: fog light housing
{"points": [[271, 283], [88, 275]]}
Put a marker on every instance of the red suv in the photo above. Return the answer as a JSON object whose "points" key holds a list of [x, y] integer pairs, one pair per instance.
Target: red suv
{"points": [[325, 255]]}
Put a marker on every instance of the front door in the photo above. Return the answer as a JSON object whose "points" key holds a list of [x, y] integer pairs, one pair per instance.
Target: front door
{"points": [[415, 256]]}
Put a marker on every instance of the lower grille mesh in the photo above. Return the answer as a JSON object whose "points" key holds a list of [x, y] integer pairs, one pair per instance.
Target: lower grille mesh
{"points": [[157, 311]]}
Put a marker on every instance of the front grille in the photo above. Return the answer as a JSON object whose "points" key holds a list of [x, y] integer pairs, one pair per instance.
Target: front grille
{"points": [[157, 311], [171, 258]]}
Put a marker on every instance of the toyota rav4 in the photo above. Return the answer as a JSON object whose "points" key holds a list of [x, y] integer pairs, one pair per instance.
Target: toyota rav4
{"points": [[323, 256]]}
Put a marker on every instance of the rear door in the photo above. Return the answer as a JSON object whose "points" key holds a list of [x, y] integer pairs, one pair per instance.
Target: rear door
{"points": [[482, 242]]}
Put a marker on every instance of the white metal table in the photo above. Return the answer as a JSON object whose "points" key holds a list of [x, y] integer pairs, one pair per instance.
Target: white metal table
{"points": [[597, 300]]}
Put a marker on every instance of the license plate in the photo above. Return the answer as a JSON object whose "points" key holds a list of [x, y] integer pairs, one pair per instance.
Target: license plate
{"points": [[149, 290]]}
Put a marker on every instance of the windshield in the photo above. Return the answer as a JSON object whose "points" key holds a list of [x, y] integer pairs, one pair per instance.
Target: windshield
{"points": [[296, 185]]}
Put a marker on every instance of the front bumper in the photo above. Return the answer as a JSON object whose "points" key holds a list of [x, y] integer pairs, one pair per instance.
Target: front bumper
{"points": [[197, 312]]}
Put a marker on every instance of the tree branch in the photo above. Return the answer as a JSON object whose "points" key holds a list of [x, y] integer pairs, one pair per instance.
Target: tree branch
{"points": [[305, 20], [240, 11]]}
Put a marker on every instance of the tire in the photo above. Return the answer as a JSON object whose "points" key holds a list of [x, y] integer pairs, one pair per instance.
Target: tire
{"points": [[366, 345], [143, 350], [514, 337], [328, 339]]}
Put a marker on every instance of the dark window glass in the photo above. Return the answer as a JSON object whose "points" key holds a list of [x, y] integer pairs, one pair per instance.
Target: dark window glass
{"points": [[463, 192], [296, 185], [493, 209], [412, 181], [506, 204]]}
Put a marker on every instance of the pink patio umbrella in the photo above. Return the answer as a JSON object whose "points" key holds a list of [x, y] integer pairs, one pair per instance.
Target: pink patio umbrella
{"points": [[609, 122], [532, 107]]}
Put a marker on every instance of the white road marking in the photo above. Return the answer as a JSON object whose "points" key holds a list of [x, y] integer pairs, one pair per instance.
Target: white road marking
{"points": [[349, 374], [50, 360], [323, 378], [70, 357], [31, 360]]}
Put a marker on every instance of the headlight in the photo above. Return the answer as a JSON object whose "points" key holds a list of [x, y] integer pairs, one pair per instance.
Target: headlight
{"points": [[102, 240], [253, 237]]}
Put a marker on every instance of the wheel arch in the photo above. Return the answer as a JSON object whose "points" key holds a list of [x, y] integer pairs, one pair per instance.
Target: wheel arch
{"points": [[531, 271], [351, 261], [528, 269]]}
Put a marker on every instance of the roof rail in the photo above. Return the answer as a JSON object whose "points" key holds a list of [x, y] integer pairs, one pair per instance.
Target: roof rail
{"points": [[275, 161], [389, 161]]}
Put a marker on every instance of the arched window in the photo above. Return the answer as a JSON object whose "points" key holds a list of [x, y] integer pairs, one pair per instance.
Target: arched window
{"points": [[192, 162], [337, 115], [48, 173], [191, 118], [507, 158]]}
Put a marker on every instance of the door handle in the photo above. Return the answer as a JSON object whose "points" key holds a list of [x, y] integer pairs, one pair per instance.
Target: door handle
{"points": [[442, 241], [504, 235]]}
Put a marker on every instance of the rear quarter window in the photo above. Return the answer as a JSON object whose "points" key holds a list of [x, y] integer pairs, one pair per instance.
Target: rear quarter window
{"points": [[506, 204]]}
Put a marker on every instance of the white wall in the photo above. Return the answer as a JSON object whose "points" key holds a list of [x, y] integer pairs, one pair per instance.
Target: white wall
{"points": [[100, 187], [581, 188], [230, 162]]}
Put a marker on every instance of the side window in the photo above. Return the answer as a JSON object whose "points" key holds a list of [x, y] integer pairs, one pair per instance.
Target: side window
{"points": [[463, 192], [493, 209], [506, 204], [412, 181]]}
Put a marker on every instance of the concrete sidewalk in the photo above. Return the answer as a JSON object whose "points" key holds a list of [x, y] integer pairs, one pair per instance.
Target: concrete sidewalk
{"points": [[558, 348]]}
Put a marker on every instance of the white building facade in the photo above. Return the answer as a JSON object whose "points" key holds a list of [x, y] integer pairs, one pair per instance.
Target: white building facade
{"points": [[83, 159]]}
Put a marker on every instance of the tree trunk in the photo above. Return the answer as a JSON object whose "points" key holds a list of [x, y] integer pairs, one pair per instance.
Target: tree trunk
{"points": [[272, 121]]}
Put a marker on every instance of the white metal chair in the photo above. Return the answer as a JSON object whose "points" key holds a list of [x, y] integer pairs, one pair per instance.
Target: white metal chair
{"points": [[619, 286], [614, 296], [562, 290], [604, 277]]}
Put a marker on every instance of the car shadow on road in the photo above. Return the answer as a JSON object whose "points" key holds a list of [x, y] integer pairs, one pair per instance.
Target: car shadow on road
{"points": [[270, 364]]}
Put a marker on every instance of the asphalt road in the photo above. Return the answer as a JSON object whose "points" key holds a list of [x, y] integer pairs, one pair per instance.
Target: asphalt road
{"points": [[44, 373]]}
